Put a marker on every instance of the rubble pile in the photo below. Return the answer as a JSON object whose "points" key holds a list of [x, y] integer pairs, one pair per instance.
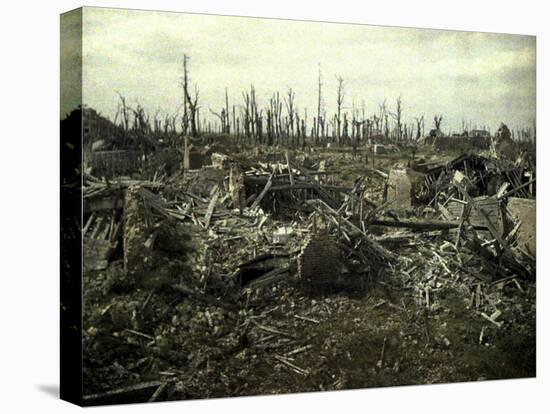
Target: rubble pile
{"points": [[206, 282]]}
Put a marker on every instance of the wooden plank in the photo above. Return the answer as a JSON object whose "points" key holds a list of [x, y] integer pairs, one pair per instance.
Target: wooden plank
{"points": [[270, 277], [210, 209], [88, 223], [98, 224], [256, 202], [490, 226], [371, 242], [514, 190], [158, 392], [423, 225], [463, 216], [132, 394]]}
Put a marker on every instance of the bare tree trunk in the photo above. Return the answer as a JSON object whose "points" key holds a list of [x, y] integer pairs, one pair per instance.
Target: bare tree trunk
{"points": [[290, 110], [339, 103], [398, 116], [227, 123], [190, 103], [319, 99]]}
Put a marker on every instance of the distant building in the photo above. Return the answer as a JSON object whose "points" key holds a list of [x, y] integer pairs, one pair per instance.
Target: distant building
{"points": [[476, 140], [479, 133]]}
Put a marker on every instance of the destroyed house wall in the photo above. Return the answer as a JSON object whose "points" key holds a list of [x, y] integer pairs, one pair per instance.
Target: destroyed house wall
{"points": [[490, 208], [400, 188], [479, 133], [461, 143], [113, 163]]}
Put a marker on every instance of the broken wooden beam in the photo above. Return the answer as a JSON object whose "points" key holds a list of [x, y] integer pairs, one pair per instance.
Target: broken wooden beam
{"points": [[490, 226], [270, 277], [133, 394], [380, 250], [210, 209], [516, 189], [256, 202], [423, 225]]}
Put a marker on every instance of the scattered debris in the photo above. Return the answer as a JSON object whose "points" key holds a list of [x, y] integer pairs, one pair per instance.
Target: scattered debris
{"points": [[268, 262]]}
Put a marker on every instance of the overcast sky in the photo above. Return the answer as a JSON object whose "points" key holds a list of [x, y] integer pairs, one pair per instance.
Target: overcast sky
{"points": [[486, 78]]}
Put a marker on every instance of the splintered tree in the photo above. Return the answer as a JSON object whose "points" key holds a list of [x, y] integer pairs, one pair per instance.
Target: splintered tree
{"points": [[289, 101], [123, 109], [256, 116], [247, 115], [437, 122], [141, 120], [274, 115], [384, 125], [398, 116], [419, 127], [345, 133], [227, 122], [223, 116], [191, 104], [319, 123], [340, 94], [252, 118], [223, 120]]}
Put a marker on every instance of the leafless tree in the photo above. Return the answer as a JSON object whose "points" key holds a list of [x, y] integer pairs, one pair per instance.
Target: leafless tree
{"points": [[290, 110], [384, 124], [419, 127], [227, 123], [397, 115], [339, 102], [319, 123], [124, 111], [222, 116], [275, 113], [191, 104], [437, 122], [247, 115]]}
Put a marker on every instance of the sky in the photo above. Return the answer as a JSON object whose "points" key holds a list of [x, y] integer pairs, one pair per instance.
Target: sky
{"points": [[483, 77]]}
